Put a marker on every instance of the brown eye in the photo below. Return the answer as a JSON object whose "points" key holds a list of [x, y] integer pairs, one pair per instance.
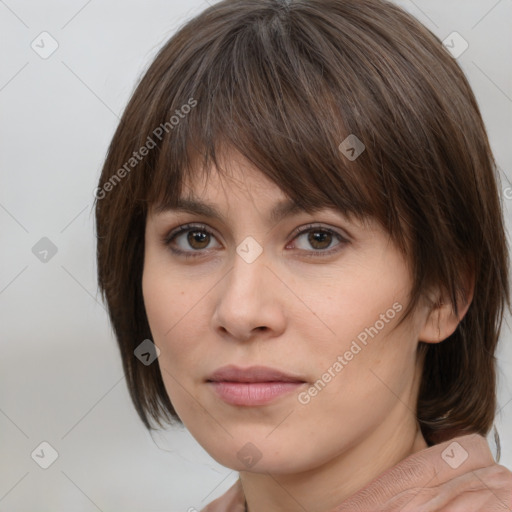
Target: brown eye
{"points": [[196, 242], [314, 241], [198, 239], [319, 239]]}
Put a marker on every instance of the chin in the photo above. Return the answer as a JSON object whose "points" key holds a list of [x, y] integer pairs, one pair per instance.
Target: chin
{"points": [[247, 453]]}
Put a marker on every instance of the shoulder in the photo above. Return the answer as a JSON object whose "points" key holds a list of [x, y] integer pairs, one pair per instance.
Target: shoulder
{"points": [[458, 474], [231, 501]]}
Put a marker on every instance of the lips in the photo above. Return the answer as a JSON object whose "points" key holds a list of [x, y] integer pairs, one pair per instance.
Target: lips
{"points": [[252, 374], [253, 386]]}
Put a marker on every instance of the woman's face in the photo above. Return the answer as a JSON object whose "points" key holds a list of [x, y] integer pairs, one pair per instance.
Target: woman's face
{"points": [[320, 306]]}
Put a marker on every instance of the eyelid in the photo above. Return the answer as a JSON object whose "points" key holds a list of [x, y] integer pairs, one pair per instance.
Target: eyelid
{"points": [[188, 227], [343, 239], [297, 231], [315, 225]]}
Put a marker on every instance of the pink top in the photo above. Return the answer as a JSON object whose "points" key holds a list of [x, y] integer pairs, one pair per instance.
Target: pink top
{"points": [[457, 472]]}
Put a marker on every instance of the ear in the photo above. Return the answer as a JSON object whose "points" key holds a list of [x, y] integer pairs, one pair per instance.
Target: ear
{"points": [[441, 321]]}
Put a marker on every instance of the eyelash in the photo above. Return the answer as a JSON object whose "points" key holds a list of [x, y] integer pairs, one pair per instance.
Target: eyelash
{"points": [[168, 239]]}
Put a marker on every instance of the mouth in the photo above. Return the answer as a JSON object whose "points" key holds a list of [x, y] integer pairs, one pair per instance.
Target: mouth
{"points": [[256, 385]]}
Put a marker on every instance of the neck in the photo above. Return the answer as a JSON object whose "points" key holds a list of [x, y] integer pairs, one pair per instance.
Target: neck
{"points": [[323, 488]]}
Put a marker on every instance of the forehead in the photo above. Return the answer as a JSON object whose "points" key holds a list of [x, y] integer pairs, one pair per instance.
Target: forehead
{"points": [[206, 191], [230, 182], [209, 196], [230, 171]]}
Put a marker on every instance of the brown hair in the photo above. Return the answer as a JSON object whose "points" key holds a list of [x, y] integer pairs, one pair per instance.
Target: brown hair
{"points": [[284, 83]]}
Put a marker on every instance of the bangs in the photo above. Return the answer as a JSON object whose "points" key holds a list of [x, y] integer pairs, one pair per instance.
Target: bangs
{"points": [[265, 90]]}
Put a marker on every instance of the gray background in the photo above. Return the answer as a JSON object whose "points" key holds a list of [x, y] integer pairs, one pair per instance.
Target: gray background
{"points": [[61, 379]]}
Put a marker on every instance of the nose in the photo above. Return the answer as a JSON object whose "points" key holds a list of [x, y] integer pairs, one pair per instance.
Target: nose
{"points": [[249, 301]]}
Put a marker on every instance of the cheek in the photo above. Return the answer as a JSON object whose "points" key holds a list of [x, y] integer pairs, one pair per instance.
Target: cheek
{"points": [[170, 311], [162, 303], [168, 305], [362, 351], [358, 385], [364, 306], [177, 311], [169, 297]]}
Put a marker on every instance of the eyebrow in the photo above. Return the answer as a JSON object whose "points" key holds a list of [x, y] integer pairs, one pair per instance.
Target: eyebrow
{"points": [[280, 211]]}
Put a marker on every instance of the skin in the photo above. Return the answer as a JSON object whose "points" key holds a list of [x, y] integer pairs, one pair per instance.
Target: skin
{"points": [[298, 314]]}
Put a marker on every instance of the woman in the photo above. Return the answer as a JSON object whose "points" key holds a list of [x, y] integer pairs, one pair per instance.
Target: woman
{"points": [[299, 209]]}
